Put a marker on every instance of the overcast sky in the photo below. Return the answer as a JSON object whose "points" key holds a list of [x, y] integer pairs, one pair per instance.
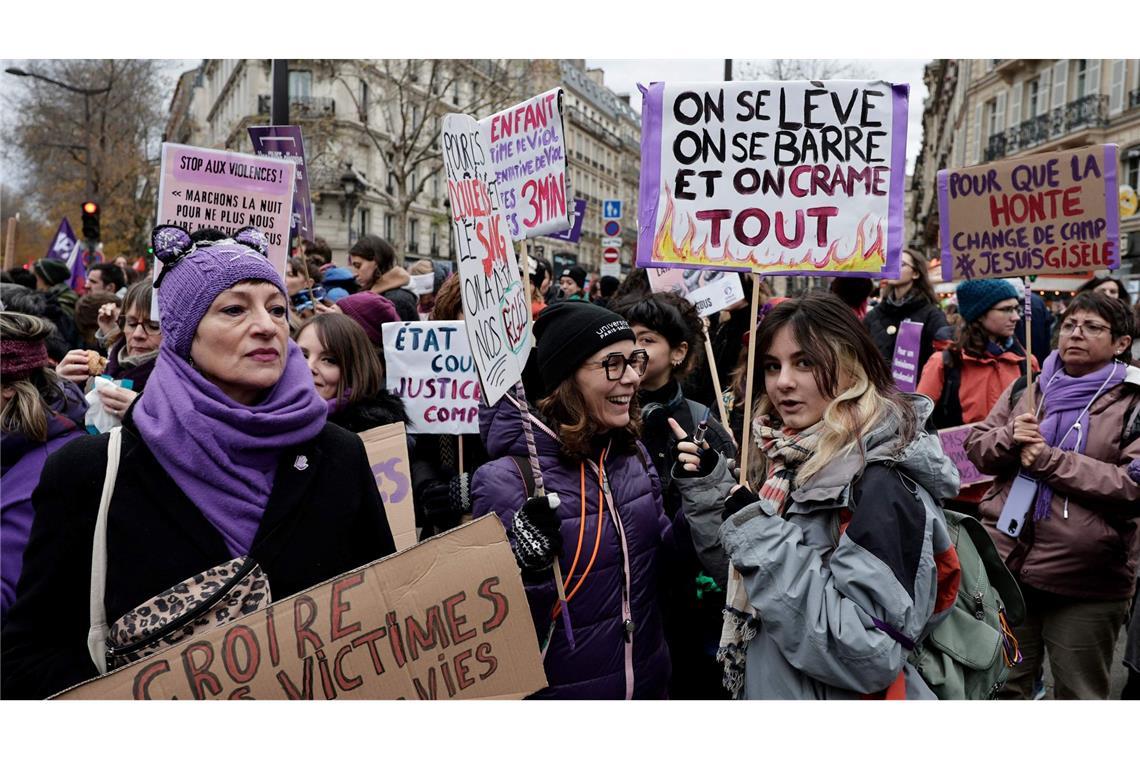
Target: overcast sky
{"points": [[623, 76]]}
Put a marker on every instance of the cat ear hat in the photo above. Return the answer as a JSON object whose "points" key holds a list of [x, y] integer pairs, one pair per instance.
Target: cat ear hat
{"points": [[195, 273]]}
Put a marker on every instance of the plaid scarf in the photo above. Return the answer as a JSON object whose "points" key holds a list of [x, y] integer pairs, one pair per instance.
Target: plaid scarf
{"points": [[785, 450]]}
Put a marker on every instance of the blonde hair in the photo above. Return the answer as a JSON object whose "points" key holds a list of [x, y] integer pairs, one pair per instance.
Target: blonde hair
{"points": [[846, 366]]}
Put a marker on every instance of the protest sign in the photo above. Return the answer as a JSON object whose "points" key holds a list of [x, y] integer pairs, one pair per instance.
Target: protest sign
{"points": [[497, 313], [954, 444], [285, 141], [430, 368], [773, 177], [904, 365], [201, 188], [387, 450], [1054, 212], [709, 291], [526, 147], [446, 619], [573, 234]]}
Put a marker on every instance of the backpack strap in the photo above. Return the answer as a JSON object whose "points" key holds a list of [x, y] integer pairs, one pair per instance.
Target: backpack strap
{"points": [[527, 474], [1131, 430], [97, 633]]}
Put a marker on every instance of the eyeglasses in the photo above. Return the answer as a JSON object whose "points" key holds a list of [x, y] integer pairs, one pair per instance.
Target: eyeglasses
{"points": [[1088, 329], [128, 326], [615, 364], [1009, 311]]}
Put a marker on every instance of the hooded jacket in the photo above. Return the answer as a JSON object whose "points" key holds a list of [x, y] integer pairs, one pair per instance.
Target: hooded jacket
{"points": [[622, 584], [982, 382], [890, 314], [393, 285], [826, 596], [1092, 553], [22, 460]]}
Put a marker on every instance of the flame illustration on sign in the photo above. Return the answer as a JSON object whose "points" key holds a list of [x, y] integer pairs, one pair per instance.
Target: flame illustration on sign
{"points": [[859, 257]]}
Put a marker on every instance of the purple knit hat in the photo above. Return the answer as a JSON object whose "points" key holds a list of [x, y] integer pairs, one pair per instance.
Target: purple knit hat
{"points": [[370, 311], [194, 274]]}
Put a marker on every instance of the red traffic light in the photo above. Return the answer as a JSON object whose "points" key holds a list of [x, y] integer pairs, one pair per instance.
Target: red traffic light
{"points": [[90, 207]]}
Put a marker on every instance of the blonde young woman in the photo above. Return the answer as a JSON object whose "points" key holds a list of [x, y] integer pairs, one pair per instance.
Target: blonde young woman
{"points": [[842, 551]]}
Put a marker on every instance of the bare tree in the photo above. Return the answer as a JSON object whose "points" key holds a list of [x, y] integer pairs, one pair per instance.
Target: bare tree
{"points": [[413, 95], [73, 145], [789, 69]]}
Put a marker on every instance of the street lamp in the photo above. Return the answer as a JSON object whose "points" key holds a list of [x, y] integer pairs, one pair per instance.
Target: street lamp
{"points": [[350, 183], [86, 92]]}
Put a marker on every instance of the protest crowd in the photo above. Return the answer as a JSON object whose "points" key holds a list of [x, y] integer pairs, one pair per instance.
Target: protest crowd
{"points": [[868, 490]]}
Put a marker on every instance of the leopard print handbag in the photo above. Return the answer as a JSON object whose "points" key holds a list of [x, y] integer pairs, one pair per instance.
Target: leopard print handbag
{"points": [[233, 589]]}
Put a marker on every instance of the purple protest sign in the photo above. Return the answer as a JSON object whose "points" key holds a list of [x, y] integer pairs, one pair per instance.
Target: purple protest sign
{"points": [[286, 142], [904, 366], [954, 445], [780, 178], [575, 232]]}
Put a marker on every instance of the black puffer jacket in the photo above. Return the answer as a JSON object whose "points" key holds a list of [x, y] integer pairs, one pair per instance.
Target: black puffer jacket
{"points": [[382, 409], [883, 322]]}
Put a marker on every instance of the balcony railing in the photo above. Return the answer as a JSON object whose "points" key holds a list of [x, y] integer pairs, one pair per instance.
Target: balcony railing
{"points": [[299, 105], [1090, 111]]}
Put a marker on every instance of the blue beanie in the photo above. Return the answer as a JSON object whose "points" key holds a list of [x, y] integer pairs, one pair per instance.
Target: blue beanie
{"points": [[976, 297]]}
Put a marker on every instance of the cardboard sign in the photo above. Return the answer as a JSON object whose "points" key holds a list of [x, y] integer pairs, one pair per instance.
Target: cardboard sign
{"points": [[774, 177], [201, 188], [447, 619], [495, 306], [709, 291], [430, 367], [526, 146], [904, 365], [1052, 212], [954, 444], [387, 450], [573, 234], [285, 141]]}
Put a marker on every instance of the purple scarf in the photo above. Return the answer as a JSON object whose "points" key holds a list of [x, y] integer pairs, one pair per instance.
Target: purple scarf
{"points": [[1065, 400], [222, 454]]}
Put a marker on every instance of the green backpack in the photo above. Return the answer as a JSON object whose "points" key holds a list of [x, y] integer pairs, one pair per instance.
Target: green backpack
{"points": [[970, 653]]}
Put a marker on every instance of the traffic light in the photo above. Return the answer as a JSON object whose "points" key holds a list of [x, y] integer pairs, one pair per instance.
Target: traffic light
{"points": [[91, 220]]}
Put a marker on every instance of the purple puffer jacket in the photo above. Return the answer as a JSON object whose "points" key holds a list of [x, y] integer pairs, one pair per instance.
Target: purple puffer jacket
{"points": [[22, 461], [598, 665]]}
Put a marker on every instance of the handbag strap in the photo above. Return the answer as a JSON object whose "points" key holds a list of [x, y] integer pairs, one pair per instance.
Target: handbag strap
{"points": [[97, 633]]}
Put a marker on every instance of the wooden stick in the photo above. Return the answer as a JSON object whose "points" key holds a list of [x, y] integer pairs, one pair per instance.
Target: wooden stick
{"points": [[460, 437], [744, 448], [715, 378], [10, 243], [1029, 344]]}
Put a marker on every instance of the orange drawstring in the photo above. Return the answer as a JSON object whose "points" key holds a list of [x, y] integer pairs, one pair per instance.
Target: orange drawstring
{"points": [[1010, 649], [582, 531]]}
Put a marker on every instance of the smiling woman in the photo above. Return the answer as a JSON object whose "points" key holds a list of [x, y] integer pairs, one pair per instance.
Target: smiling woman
{"points": [[226, 458]]}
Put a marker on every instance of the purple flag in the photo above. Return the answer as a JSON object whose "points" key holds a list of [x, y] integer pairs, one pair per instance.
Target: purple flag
{"points": [[285, 142], [904, 367], [571, 235], [66, 248]]}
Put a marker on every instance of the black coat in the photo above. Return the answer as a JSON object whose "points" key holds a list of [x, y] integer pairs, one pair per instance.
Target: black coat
{"points": [[917, 309], [320, 521], [385, 408], [406, 303]]}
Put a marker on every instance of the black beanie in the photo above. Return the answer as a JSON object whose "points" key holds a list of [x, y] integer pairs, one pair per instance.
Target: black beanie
{"points": [[52, 271], [575, 273], [569, 332]]}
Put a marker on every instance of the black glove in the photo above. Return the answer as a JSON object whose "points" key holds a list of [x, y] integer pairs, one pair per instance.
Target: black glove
{"points": [[537, 533], [708, 457], [738, 500], [445, 502]]}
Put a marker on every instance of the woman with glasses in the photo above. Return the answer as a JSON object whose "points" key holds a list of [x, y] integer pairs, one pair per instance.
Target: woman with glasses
{"points": [[134, 339], [1076, 451], [607, 528]]}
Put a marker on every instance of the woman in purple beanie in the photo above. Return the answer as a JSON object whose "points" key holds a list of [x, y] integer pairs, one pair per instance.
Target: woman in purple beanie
{"points": [[227, 456]]}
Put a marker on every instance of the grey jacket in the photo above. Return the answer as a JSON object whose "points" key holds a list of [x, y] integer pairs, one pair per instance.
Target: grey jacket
{"points": [[836, 610]]}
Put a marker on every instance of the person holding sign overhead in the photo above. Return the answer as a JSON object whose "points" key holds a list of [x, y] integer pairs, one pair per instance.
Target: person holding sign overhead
{"points": [[224, 467], [843, 552], [1077, 540], [607, 530]]}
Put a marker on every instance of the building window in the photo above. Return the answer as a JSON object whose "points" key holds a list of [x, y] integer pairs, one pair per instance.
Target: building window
{"points": [[991, 117], [1032, 88], [363, 100], [434, 239], [1132, 167], [300, 84], [413, 235], [362, 221], [389, 222], [1082, 68], [435, 186]]}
